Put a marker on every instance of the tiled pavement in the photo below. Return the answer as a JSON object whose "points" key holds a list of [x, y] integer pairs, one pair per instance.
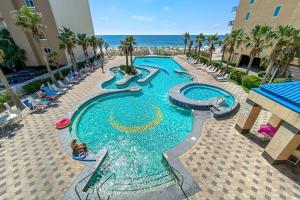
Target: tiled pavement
{"points": [[226, 164], [33, 165]]}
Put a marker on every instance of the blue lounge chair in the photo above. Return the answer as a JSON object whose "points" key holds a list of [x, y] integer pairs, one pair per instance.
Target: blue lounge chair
{"points": [[30, 107], [50, 92]]}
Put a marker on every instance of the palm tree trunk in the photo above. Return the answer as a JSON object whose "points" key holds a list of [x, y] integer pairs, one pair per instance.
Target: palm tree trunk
{"points": [[10, 91], [73, 61], [94, 49], [49, 69], [131, 58], [269, 70], [184, 48], [126, 55], [286, 66], [199, 48], [228, 60], [210, 57], [250, 64]]}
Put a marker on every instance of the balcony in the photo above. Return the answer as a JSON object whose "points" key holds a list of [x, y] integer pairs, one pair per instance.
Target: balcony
{"points": [[230, 23], [234, 9]]}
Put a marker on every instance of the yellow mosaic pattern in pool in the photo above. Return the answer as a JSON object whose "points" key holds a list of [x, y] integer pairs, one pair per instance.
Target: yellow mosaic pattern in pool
{"points": [[136, 129]]}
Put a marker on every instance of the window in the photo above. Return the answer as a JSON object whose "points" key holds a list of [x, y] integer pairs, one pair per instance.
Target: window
{"points": [[277, 10], [247, 16], [252, 1], [47, 50], [29, 3]]}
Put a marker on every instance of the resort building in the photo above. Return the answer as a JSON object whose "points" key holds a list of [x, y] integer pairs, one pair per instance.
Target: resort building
{"points": [[250, 13], [74, 14]]}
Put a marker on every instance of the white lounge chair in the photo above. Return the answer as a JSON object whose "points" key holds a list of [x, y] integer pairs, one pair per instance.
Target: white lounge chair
{"points": [[224, 78], [70, 81], [13, 115], [62, 85], [54, 87]]}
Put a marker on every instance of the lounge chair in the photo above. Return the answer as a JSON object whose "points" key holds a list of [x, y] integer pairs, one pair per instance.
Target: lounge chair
{"points": [[62, 85], [295, 154], [224, 78], [33, 108], [44, 96], [14, 115], [53, 87], [70, 81], [213, 70], [209, 68], [50, 92]]}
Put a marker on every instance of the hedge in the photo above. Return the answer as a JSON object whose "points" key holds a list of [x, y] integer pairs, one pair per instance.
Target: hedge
{"points": [[35, 85], [237, 75], [280, 80], [261, 74], [251, 81]]}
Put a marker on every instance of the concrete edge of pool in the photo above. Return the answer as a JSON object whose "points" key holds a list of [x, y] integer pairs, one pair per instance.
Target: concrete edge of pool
{"points": [[171, 192], [179, 99]]}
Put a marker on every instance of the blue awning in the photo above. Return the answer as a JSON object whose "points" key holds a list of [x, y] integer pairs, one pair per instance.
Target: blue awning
{"points": [[286, 94]]}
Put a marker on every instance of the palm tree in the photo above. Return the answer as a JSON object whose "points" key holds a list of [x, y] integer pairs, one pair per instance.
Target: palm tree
{"points": [[68, 42], [100, 43], [8, 88], [256, 41], [83, 41], [186, 38], [130, 41], [291, 49], [124, 48], [106, 46], [212, 41], [93, 44], [53, 60], [190, 46], [31, 21], [281, 37], [199, 40], [229, 43]]}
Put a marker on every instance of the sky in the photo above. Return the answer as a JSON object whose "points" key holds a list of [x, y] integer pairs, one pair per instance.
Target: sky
{"points": [[161, 17]]}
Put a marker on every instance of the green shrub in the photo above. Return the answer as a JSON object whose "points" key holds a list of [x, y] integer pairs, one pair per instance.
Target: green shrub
{"points": [[261, 74], [216, 64], [280, 80], [237, 75], [35, 85], [251, 81], [128, 69]]}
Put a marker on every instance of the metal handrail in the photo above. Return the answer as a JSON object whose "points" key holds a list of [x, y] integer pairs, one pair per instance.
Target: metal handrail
{"points": [[81, 182], [180, 183], [98, 188]]}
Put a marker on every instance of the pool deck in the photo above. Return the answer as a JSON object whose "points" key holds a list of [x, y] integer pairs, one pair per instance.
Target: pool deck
{"points": [[225, 164]]}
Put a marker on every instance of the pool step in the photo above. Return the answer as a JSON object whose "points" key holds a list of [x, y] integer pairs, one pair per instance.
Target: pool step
{"points": [[137, 185]]}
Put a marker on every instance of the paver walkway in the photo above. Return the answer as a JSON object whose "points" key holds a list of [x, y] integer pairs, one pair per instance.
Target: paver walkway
{"points": [[33, 165], [226, 165]]}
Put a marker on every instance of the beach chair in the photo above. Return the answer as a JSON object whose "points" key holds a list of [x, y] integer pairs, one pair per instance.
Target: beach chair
{"points": [[213, 70], [62, 85], [71, 81], [50, 92], [224, 78], [54, 87], [296, 155], [14, 115], [32, 108]]}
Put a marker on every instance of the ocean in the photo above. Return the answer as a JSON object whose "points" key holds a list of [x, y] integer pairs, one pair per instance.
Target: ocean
{"points": [[150, 40]]}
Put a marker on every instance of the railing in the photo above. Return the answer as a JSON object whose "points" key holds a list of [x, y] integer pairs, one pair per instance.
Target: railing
{"points": [[230, 23], [77, 193], [99, 187], [180, 182], [234, 9]]}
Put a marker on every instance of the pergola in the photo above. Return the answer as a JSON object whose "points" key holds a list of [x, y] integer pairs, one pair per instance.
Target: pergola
{"points": [[283, 101]]}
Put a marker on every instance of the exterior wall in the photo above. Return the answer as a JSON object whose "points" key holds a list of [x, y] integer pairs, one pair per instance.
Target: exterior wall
{"points": [[261, 12], [21, 39], [74, 14]]}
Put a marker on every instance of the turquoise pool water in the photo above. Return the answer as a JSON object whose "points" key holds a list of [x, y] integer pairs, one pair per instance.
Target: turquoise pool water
{"points": [[203, 92], [136, 128]]}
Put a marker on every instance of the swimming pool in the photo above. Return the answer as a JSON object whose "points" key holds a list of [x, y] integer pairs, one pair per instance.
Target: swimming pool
{"points": [[205, 93], [136, 128]]}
